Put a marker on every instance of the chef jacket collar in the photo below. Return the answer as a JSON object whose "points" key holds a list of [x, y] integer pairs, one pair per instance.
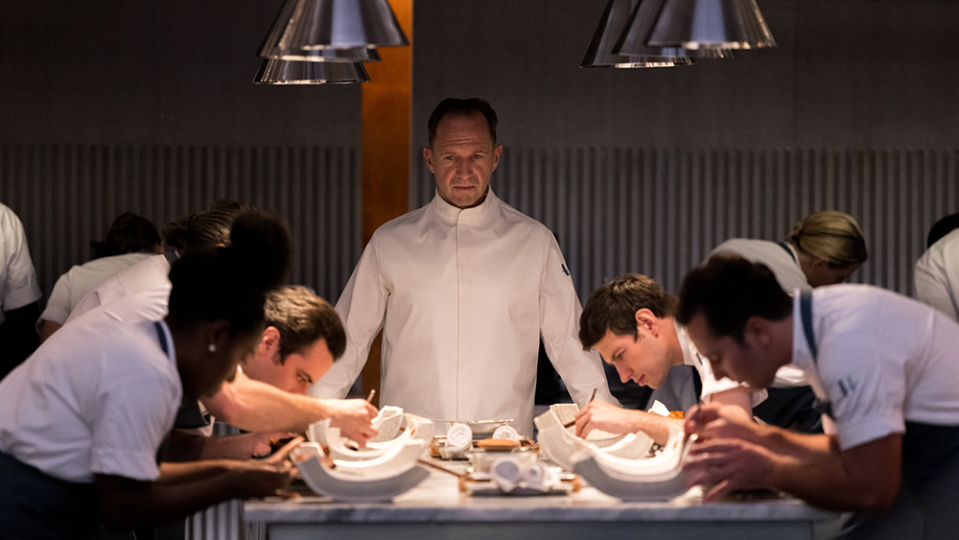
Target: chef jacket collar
{"points": [[452, 214]]}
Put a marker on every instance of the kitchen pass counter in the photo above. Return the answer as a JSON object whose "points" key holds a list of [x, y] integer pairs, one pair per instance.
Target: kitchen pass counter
{"points": [[436, 509]]}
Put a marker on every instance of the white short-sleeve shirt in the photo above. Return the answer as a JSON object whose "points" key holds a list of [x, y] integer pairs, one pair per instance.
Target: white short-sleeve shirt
{"points": [[72, 286], [18, 279], [96, 398], [937, 276], [883, 359], [150, 274]]}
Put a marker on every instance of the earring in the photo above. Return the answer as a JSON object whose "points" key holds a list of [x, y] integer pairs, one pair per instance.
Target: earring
{"points": [[212, 348]]}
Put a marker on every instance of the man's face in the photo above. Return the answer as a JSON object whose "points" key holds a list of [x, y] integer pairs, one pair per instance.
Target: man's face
{"points": [[643, 360], [743, 362], [300, 370], [462, 159]]}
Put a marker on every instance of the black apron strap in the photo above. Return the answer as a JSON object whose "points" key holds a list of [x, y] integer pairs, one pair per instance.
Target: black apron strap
{"points": [[805, 312], [785, 246], [162, 337]]}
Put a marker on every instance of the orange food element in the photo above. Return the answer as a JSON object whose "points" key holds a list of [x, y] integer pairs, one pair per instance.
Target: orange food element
{"points": [[677, 414], [497, 444]]}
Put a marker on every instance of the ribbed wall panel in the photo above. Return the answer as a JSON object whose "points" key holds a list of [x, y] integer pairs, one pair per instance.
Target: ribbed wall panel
{"points": [[660, 211], [67, 196]]}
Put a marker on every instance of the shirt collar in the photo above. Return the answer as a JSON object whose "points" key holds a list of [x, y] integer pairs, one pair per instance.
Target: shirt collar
{"points": [[691, 356], [451, 214]]}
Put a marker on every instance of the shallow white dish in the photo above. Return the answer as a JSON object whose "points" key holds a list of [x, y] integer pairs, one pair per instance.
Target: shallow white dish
{"points": [[417, 428], [395, 460], [658, 478], [560, 443], [346, 488], [482, 429]]}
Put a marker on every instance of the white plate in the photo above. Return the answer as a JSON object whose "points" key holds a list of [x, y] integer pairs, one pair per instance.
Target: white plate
{"points": [[348, 489], [650, 479]]}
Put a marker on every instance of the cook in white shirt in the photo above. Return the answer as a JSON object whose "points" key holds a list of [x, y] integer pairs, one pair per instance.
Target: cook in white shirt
{"points": [[630, 321], [81, 420], [884, 366], [463, 288], [937, 273], [246, 403]]}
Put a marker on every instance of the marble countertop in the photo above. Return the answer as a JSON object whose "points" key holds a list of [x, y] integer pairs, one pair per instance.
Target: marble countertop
{"points": [[438, 499]]}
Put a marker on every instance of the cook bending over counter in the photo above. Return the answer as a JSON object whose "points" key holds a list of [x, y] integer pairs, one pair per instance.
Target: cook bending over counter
{"points": [[243, 402], [83, 418], [630, 320], [885, 369]]}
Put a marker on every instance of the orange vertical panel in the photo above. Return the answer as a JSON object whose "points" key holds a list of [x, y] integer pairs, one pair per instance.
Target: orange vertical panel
{"points": [[386, 109]]}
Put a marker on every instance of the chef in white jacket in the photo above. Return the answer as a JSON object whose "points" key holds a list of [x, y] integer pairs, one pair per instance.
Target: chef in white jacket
{"points": [[463, 288]]}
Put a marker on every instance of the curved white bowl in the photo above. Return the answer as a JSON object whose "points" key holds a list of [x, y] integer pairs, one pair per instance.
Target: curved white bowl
{"points": [[347, 488], [387, 424], [396, 459], [417, 428], [657, 478]]}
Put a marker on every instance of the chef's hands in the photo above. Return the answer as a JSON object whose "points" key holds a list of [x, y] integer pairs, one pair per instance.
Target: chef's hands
{"points": [[269, 477], [729, 465], [726, 455], [353, 417], [721, 422], [264, 442], [598, 414]]}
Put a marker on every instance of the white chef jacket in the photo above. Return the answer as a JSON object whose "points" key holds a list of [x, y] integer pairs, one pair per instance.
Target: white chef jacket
{"points": [[462, 296], [150, 274], [783, 260], [96, 398], [18, 279], [883, 359], [72, 286], [937, 275]]}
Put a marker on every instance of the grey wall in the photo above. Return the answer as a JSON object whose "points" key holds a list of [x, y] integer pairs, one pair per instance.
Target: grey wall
{"points": [[148, 106], [846, 74], [646, 170]]}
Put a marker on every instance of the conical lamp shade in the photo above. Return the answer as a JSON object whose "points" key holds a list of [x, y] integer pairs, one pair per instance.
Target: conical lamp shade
{"points": [[304, 25], [696, 24], [640, 25], [351, 56], [611, 26], [273, 71]]}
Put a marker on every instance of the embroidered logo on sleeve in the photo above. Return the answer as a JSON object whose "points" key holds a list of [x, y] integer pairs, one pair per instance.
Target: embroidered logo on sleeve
{"points": [[846, 386], [565, 271]]}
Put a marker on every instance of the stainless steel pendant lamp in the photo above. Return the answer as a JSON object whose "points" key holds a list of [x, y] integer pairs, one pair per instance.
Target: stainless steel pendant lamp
{"points": [[308, 25], [711, 24], [612, 24], [276, 71], [641, 22], [326, 41]]}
